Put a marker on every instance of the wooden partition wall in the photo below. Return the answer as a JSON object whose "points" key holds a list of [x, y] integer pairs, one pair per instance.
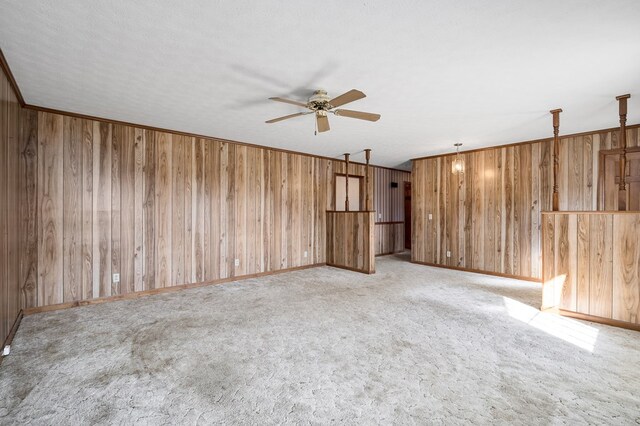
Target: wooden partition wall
{"points": [[389, 207], [350, 240], [12, 175], [489, 218], [592, 265]]}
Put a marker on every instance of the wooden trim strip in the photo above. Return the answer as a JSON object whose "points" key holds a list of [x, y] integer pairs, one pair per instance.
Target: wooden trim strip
{"points": [[599, 320], [7, 71], [193, 135], [595, 212], [12, 333], [478, 271], [397, 222], [163, 290], [486, 148], [352, 269]]}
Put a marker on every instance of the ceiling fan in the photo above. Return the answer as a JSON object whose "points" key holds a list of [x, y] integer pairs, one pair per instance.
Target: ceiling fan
{"points": [[321, 105]]}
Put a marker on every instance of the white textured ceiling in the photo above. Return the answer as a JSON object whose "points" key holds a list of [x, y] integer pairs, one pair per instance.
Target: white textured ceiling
{"points": [[479, 72]]}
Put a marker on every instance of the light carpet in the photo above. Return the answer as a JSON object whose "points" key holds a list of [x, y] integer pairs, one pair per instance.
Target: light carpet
{"points": [[408, 345]]}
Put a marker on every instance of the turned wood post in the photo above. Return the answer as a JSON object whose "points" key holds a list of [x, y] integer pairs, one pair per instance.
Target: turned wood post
{"points": [[556, 157], [346, 183], [622, 187], [367, 156]]}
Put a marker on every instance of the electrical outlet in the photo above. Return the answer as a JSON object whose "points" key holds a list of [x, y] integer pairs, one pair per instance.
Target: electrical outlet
{"points": [[379, 215], [448, 253], [116, 278], [237, 262], [305, 254], [430, 216], [6, 350]]}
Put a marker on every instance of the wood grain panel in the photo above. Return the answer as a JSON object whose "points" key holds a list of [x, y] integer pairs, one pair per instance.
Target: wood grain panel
{"points": [[595, 256], [490, 219], [163, 210], [626, 268], [350, 240], [389, 237], [50, 195]]}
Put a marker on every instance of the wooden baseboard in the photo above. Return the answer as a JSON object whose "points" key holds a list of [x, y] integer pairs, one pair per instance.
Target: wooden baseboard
{"points": [[129, 296], [479, 271], [348, 268], [12, 332], [599, 320]]}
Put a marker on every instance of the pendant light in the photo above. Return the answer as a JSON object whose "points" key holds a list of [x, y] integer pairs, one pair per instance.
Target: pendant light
{"points": [[457, 166]]}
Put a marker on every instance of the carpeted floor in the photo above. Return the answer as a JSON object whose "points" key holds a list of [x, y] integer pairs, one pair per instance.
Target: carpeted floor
{"points": [[410, 344]]}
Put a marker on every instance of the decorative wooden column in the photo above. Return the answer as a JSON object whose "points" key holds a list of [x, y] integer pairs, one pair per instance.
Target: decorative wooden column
{"points": [[556, 157], [346, 183], [622, 187], [367, 156]]}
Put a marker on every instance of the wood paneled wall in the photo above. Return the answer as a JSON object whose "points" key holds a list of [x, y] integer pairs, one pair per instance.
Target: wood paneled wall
{"points": [[389, 207], [162, 209], [350, 240], [489, 218], [389, 202], [591, 264], [389, 237], [11, 117]]}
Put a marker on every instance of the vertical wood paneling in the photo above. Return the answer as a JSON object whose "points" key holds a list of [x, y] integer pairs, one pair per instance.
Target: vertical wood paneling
{"points": [[5, 286], [626, 267], [28, 208], [127, 208], [177, 212], [149, 211], [118, 134], [591, 261], [490, 219], [601, 263], [87, 210], [72, 214], [50, 194], [350, 237], [164, 209]]}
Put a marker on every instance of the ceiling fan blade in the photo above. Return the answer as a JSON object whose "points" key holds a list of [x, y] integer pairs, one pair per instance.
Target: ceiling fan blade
{"points": [[288, 101], [323, 123], [286, 117], [345, 98], [357, 114]]}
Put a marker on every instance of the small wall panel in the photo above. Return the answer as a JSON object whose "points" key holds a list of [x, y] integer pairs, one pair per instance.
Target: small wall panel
{"points": [[591, 263], [350, 240], [389, 237]]}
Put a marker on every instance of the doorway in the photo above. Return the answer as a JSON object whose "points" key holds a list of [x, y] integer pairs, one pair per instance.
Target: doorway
{"points": [[407, 215], [610, 179]]}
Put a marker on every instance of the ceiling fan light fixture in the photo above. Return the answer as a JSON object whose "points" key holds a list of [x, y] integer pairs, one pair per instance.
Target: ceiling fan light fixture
{"points": [[457, 165], [321, 104]]}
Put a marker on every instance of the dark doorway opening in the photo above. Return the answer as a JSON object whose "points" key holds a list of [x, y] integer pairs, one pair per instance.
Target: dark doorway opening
{"points": [[407, 215]]}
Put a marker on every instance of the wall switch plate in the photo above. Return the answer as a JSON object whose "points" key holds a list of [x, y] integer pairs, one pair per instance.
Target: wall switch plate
{"points": [[430, 216], [6, 350], [379, 215], [237, 262], [448, 253], [305, 254], [116, 278]]}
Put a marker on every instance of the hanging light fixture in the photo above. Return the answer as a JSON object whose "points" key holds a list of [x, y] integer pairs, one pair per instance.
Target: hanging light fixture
{"points": [[457, 166]]}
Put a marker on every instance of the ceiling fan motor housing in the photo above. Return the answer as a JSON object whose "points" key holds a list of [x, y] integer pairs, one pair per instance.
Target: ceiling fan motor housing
{"points": [[319, 101]]}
